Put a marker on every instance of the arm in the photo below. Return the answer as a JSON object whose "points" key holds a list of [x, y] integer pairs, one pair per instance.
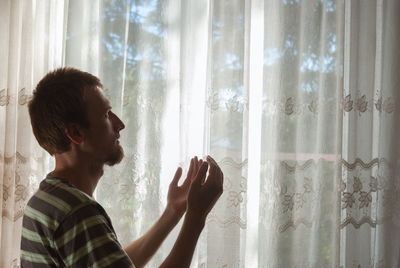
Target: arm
{"points": [[182, 252], [141, 250], [202, 197]]}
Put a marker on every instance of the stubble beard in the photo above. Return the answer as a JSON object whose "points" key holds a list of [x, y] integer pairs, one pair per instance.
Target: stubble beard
{"points": [[116, 156]]}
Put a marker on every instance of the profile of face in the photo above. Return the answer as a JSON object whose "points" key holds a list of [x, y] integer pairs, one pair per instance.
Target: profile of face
{"points": [[101, 139]]}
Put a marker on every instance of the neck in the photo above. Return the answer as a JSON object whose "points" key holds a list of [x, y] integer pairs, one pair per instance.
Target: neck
{"points": [[79, 172]]}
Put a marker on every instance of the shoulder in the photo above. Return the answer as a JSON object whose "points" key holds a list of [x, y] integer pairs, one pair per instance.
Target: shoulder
{"points": [[74, 225], [56, 200], [86, 237]]}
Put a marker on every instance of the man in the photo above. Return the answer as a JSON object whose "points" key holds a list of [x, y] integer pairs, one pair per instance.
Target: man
{"points": [[63, 225]]}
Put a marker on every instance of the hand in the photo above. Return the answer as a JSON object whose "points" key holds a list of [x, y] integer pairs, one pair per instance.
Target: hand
{"points": [[203, 194], [177, 195]]}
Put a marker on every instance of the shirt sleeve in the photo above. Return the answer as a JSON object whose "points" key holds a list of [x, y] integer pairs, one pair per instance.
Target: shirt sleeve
{"points": [[85, 238]]}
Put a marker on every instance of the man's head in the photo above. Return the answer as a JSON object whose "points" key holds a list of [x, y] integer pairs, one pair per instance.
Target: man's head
{"points": [[64, 111]]}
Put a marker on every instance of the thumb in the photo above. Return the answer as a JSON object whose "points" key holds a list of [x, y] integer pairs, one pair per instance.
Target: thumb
{"points": [[177, 176]]}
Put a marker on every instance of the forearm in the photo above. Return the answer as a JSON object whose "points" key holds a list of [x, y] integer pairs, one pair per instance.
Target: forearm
{"points": [[141, 250], [182, 252]]}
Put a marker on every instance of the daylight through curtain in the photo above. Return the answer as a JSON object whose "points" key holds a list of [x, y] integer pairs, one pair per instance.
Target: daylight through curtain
{"points": [[295, 99], [30, 45]]}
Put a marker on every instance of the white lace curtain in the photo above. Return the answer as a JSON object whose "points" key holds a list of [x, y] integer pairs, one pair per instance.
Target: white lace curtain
{"points": [[297, 100], [30, 45]]}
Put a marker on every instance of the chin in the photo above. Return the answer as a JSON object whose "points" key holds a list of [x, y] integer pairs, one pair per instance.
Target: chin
{"points": [[116, 157]]}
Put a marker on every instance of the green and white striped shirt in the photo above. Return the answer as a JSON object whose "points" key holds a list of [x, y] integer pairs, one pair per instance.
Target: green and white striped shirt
{"points": [[64, 227]]}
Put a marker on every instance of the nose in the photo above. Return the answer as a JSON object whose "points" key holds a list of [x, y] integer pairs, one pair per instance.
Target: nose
{"points": [[118, 124]]}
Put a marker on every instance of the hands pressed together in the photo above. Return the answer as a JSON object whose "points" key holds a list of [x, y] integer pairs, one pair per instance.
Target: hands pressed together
{"points": [[198, 193]]}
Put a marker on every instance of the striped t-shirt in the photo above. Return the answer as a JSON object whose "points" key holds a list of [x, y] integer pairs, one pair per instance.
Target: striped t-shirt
{"points": [[64, 227]]}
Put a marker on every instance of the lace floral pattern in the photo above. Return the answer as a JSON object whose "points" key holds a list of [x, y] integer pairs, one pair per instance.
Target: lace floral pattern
{"points": [[356, 103], [21, 179], [298, 190], [312, 212], [19, 173], [233, 200], [361, 185], [22, 98]]}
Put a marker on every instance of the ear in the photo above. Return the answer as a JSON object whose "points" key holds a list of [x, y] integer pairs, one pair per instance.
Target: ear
{"points": [[74, 133]]}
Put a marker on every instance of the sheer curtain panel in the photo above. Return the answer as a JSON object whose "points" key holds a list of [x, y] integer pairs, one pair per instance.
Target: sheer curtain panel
{"points": [[297, 100], [31, 34]]}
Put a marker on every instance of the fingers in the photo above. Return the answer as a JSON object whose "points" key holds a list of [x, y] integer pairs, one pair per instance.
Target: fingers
{"points": [[211, 160], [177, 176], [199, 163], [216, 174], [201, 174], [195, 166], [192, 167], [196, 169], [214, 166]]}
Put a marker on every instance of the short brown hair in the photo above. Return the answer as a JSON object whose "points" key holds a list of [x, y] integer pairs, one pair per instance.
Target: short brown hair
{"points": [[57, 101]]}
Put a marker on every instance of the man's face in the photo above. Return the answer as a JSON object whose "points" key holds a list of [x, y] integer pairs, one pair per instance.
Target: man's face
{"points": [[101, 139]]}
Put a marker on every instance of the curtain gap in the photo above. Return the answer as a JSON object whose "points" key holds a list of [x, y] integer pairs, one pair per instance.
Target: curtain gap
{"points": [[343, 236], [127, 17], [255, 85], [208, 88]]}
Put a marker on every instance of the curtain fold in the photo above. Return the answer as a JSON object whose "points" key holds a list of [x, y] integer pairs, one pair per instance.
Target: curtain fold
{"points": [[296, 100], [31, 43], [369, 185]]}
